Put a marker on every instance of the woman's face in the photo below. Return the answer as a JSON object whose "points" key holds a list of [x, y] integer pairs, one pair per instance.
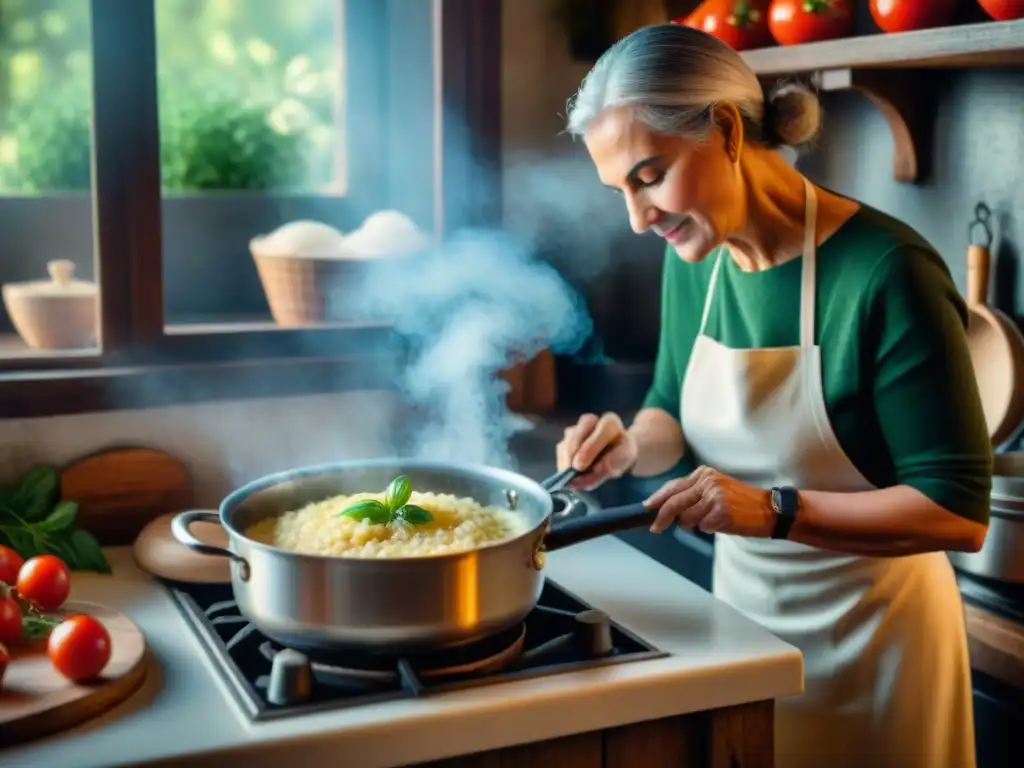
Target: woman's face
{"points": [[688, 192]]}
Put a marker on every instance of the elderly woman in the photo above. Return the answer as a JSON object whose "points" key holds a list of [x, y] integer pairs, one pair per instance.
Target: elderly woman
{"points": [[813, 361]]}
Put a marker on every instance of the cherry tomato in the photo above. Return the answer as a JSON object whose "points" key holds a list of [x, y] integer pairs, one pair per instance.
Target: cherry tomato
{"points": [[696, 17], [5, 659], [79, 647], [740, 24], [44, 580], [10, 619], [1003, 10], [807, 21], [908, 15], [10, 564]]}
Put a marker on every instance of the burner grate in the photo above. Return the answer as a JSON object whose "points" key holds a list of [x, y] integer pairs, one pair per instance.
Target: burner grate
{"points": [[268, 681]]}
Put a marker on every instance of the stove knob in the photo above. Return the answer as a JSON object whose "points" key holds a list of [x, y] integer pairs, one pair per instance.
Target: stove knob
{"points": [[593, 632], [291, 678]]}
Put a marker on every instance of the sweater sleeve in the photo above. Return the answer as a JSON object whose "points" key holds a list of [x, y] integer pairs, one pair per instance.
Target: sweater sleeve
{"points": [[925, 393], [664, 391]]}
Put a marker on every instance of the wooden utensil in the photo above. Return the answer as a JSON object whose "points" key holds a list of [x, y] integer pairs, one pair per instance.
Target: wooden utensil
{"points": [[120, 490], [158, 553], [996, 344], [35, 700]]}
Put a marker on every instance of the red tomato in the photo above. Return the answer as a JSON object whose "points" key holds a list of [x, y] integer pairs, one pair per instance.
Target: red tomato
{"points": [[740, 24], [806, 21], [696, 17], [10, 564], [10, 619], [5, 659], [79, 647], [1003, 10], [908, 15], [44, 580]]}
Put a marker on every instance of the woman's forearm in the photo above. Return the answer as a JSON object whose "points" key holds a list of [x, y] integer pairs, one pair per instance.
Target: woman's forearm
{"points": [[659, 439], [882, 523]]}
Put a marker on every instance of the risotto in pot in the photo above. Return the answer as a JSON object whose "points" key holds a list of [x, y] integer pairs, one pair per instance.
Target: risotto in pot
{"points": [[456, 524]]}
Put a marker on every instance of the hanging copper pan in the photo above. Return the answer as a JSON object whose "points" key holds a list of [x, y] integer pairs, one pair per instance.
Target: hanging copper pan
{"points": [[995, 341]]}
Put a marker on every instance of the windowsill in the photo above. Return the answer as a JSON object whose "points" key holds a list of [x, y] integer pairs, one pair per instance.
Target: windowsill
{"points": [[13, 348], [204, 363]]}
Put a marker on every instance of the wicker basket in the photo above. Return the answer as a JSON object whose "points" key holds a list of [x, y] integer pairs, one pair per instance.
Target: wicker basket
{"points": [[325, 285], [302, 290]]}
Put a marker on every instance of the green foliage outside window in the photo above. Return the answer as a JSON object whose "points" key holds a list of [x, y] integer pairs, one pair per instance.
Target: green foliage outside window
{"points": [[249, 91]]}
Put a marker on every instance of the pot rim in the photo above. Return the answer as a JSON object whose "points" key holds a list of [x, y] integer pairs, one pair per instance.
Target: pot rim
{"points": [[239, 495]]}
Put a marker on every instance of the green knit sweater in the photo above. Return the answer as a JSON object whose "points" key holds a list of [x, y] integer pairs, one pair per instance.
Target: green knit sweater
{"points": [[899, 386]]}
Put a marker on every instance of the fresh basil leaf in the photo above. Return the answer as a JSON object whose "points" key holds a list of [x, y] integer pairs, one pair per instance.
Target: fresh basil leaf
{"points": [[7, 495], [23, 542], [89, 554], [61, 547], [36, 494], [369, 509], [398, 493], [37, 626], [414, 515], [62, 517]]}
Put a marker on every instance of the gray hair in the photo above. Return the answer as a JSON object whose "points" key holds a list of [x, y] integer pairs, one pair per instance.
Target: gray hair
{"points": [[671, 77]]}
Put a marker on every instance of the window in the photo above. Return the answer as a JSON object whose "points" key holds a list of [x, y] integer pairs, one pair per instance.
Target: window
{"points": [[214, 122], [45, 177]]}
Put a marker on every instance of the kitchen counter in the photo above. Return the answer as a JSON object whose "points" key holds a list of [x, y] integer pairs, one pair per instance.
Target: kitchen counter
{"points": [[185, 715]]}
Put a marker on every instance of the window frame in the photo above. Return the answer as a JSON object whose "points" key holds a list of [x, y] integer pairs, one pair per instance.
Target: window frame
{"points": [[141, 363]]}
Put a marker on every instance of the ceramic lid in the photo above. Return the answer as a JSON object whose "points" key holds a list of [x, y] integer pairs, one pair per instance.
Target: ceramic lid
{"points": [[61, 284]]}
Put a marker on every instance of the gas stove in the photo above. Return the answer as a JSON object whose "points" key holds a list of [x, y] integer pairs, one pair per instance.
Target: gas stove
{"points": [[562, 634]]}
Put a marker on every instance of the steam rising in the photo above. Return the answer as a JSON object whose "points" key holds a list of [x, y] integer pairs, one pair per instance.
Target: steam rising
{"points": [[471, 307]]}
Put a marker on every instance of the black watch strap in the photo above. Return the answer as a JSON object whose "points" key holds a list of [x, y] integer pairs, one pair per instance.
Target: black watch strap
{"points": [[785, 502]]}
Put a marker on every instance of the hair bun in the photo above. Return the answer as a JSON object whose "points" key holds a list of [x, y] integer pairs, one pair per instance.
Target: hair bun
{"points": [[792, 115]]}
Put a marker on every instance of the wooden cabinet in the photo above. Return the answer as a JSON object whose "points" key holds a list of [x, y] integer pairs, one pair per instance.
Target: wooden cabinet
{"points": [[734, 737]]}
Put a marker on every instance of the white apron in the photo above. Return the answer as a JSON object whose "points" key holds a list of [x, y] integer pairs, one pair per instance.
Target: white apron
{"points": [[887, 677]]}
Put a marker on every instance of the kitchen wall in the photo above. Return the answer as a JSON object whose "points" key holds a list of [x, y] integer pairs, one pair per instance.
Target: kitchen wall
{"points": [[979, 157], [223, 444], [543, 170]]}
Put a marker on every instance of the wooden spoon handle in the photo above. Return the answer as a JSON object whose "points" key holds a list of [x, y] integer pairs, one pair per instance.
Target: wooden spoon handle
{"points": [[978, 260]]}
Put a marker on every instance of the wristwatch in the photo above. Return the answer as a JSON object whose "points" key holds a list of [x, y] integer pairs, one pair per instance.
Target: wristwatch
{"points": [[785, 503]]}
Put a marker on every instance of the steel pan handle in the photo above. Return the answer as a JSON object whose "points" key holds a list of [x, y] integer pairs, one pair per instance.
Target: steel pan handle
{"points": [[180, 528], [567, 532]]}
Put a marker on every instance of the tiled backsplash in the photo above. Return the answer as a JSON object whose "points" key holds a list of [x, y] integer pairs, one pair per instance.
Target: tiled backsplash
{"points": [[224, 444]]}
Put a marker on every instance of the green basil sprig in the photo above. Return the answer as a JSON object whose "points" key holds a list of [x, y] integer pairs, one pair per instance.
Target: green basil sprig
{"points": [[34, 520], [394, 507]]}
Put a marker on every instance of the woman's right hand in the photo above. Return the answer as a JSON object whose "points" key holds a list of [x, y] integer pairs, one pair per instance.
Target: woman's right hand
{"points": [[599, 448]]}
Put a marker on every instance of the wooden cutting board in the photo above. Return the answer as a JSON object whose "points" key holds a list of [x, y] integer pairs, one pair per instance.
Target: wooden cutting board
{"points": [[35, 700], [120, 490]]}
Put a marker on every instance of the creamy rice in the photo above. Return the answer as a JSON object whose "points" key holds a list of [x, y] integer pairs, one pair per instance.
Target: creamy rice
{"points": [[459, 524]]}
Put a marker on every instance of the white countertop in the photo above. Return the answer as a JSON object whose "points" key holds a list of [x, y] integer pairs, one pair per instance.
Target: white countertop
{"points": [[185, 713]]}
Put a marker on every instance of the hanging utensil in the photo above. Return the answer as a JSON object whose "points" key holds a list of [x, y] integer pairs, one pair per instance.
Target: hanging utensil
{"points": [[995, 341]]}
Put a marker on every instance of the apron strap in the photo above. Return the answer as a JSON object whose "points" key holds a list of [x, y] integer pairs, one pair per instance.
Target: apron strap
{"points": [[711, 292], [808, 281]]}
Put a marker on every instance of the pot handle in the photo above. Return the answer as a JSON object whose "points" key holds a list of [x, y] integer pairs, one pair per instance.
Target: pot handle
{"points": [[179, 527], [579, 529]]}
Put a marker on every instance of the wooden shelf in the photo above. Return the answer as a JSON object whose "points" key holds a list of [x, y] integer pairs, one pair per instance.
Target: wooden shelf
{"points": [[889, 69], [988, 44]]}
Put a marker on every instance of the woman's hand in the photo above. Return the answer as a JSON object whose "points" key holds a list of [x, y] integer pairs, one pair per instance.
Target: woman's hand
{"points": [[600, 448], [714, 503]]}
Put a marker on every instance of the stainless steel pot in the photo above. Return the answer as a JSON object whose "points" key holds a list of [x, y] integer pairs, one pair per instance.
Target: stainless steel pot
{"points": [[1002, 556], [317, 602]]}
